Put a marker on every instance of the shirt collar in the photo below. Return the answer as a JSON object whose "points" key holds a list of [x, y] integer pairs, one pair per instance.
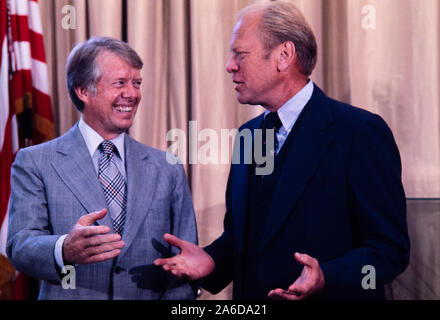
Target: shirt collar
{"points": [[290, 111], [93, 139]]}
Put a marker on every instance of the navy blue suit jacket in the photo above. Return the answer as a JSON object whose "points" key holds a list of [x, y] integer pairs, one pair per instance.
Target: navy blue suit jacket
{"points": [[339, 199]]}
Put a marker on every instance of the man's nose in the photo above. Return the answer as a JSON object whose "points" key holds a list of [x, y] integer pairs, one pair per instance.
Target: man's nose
{"points": [[130, 91], [231, 66]]}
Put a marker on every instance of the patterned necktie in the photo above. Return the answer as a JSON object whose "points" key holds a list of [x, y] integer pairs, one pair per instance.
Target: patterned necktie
{"points": [[272, 121], [113, 185]]}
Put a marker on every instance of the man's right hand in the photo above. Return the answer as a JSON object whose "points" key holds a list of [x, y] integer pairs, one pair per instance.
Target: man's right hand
{"points": [[192, 262], [87, 243]]}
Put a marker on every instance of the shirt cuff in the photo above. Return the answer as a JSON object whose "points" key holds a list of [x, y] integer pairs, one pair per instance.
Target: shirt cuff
{"points": [[58, 251]]}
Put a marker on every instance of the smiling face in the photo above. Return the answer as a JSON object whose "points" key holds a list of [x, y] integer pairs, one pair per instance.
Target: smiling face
{"points": [[111, 109], [254, 74]]}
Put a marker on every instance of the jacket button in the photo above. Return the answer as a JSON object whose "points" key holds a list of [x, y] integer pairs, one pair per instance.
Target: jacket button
{"points": [[118, 270]]}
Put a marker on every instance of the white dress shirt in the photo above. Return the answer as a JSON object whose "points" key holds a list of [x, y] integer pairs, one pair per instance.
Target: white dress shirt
{"points": [[290, 111]]}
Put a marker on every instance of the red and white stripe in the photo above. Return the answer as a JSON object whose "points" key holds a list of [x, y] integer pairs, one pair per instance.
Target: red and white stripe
{"points": [[28, 64], [28, 45], [8, 130], [23, 70]]}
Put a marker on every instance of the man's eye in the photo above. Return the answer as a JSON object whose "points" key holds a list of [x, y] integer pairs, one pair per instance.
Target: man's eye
{"points": [[119, 83], [137, 84], [241, 54]]}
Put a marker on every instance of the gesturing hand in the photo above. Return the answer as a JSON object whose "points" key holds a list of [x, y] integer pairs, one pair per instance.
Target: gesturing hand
{"points": [[192, 262], [311, 281], [89, 244]]}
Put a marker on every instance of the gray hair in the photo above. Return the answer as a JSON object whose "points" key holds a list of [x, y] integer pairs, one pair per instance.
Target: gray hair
{"points": [[282, 21], [82, 69]]}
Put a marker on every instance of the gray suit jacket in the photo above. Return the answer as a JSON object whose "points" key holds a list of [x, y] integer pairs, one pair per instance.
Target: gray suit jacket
{"points": [[55, 183]]}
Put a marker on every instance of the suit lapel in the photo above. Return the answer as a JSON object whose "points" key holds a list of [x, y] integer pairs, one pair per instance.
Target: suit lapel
{"points": [[75, 168], [141, 179], [240, 186], [309, 147]]}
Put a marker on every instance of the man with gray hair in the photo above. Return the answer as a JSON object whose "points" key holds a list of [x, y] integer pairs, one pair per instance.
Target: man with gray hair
{"points": [[330, 221], [89, 208]]}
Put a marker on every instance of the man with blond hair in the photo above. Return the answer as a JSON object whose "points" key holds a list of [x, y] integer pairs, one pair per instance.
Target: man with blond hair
{"points": [[330, 221]]}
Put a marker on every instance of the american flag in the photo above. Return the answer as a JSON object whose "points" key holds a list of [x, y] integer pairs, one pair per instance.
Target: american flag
{"points": [[25, 108]]}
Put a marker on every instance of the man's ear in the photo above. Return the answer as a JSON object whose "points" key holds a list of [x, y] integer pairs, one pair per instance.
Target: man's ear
{"points": [[83, 94], [287, 56]]}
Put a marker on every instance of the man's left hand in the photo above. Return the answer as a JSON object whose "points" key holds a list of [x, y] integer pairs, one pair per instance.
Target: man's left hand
{"points": [[310, 281]]}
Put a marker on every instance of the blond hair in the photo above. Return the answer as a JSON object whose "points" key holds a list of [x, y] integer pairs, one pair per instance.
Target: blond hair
{"points": [[282, 21]]}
